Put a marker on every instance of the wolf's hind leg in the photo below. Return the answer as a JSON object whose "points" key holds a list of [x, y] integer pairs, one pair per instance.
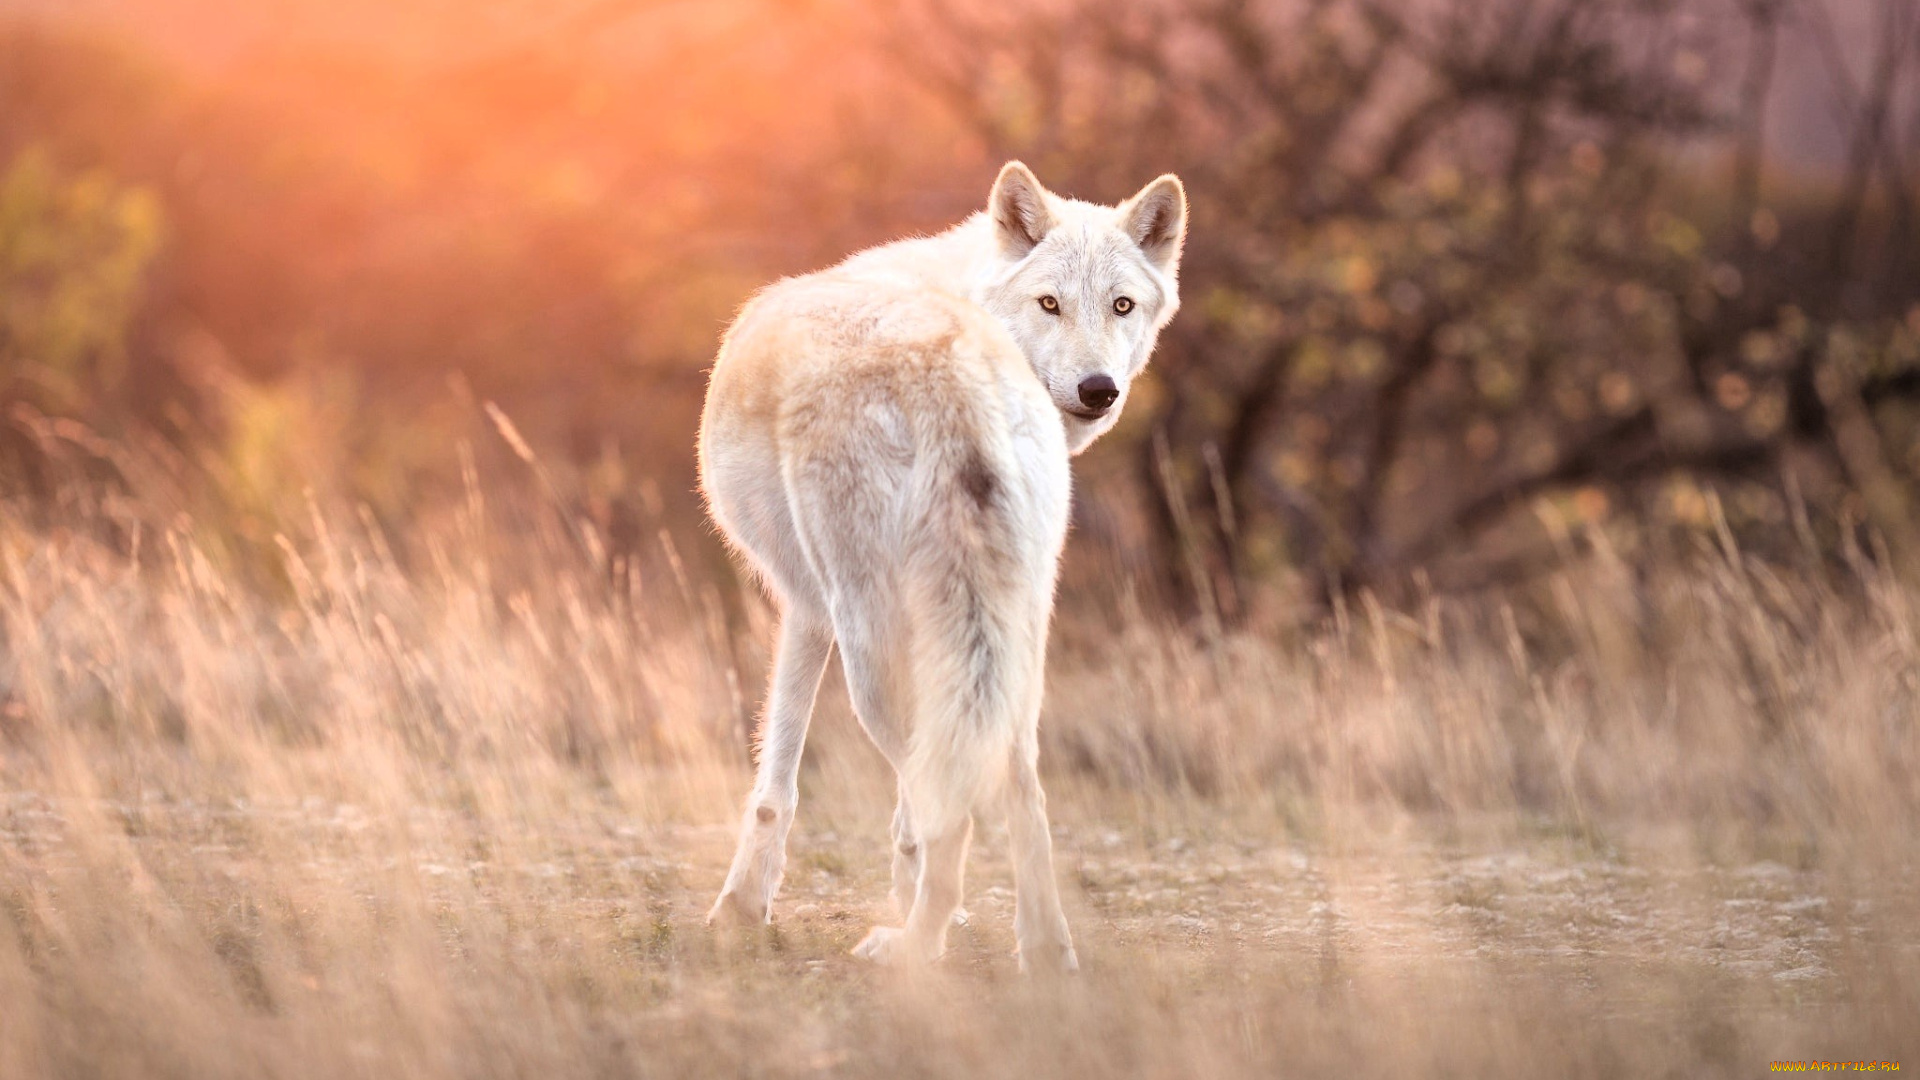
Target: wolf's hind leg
{"points": [[1039, 926], [761, 857]]}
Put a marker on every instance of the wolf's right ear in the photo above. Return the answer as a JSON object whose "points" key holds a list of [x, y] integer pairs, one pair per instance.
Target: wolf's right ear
{"points": [[1156, 218], [1018, 207]]}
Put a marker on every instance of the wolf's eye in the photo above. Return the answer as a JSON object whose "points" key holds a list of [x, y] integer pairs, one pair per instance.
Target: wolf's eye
{"points": [[1050, 305], [1122, 306]]}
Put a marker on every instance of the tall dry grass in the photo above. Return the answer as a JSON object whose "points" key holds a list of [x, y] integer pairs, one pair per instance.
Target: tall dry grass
{"points": [[355, 802]]}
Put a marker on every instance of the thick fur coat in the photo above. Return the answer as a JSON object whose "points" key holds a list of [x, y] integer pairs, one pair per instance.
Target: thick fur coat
{"points": [[886, 444]]}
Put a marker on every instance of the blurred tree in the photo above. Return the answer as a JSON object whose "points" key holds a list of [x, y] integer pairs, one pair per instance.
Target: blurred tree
{"points": [[1450, 259], [1465, 276], [73, 253], [75, 248]]}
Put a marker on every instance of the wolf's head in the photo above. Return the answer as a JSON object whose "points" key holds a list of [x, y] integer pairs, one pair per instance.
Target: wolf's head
{"points": [[1085, 289]]}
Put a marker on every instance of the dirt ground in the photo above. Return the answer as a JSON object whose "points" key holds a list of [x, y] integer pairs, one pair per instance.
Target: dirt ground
{"points": [[1210, 946]]}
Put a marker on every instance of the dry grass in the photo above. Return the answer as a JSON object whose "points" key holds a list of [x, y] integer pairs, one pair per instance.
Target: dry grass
{"points": [[454, 810]]}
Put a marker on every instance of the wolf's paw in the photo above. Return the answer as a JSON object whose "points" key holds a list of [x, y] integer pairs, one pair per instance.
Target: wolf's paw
{"points": [[734, 909], [1049, 960], [886, 946]]}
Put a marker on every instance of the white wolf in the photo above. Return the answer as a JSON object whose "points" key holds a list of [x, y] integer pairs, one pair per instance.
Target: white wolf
{"points": [[886, 443]]}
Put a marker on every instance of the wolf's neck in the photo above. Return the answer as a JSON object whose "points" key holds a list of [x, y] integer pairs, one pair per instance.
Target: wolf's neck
{"points": [[961, 261]]}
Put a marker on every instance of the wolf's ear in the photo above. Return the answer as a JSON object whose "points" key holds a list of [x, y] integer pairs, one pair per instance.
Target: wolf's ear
{"points": [[1018, 206], [1156, 218]]}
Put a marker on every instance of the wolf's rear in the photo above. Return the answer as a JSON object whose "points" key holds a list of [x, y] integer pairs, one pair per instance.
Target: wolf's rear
{"points": [[935, 544], [976, 590]]}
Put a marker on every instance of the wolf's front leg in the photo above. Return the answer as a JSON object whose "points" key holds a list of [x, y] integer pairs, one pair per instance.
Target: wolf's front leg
{"points": [[761, 858], [906, 857], [943, 862]]}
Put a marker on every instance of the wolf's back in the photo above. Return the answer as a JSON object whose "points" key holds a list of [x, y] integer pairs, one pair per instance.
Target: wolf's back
{"points": [[898, 418]]}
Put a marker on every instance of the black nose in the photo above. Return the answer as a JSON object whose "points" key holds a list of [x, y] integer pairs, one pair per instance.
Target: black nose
{"points": [[1098, 392]]}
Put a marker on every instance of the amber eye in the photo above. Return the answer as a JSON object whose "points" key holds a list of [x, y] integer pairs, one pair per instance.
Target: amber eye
{"points": [[1122, 306], [1050, 305]]}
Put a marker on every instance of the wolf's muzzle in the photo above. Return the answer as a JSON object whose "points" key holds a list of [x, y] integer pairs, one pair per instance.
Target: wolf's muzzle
{"points": [[1098, 393]]}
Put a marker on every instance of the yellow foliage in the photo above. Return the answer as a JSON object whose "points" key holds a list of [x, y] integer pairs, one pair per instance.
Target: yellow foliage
{"points": [[73, 253]]}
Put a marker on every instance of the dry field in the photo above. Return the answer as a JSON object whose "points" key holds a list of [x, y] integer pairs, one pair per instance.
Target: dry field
{"points": [[449, 807]]}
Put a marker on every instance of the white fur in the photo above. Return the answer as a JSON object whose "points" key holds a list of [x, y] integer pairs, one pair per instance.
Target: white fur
{"points": [[885, 442]]}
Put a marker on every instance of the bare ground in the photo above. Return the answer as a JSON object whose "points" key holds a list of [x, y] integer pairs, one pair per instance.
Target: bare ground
{"points": [[1212, 945], [336, 813]]}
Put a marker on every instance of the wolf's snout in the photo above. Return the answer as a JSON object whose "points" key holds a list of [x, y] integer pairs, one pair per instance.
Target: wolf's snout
{"points": [[1098, 392]]}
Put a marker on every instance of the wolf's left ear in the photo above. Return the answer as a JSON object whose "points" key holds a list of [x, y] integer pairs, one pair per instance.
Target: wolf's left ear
{"points": [[1156, 218], [1018, 205]]}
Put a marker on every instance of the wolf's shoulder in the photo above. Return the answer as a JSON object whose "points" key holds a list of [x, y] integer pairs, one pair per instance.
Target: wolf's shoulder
{"points": [[896, 295], [943, 263]]}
